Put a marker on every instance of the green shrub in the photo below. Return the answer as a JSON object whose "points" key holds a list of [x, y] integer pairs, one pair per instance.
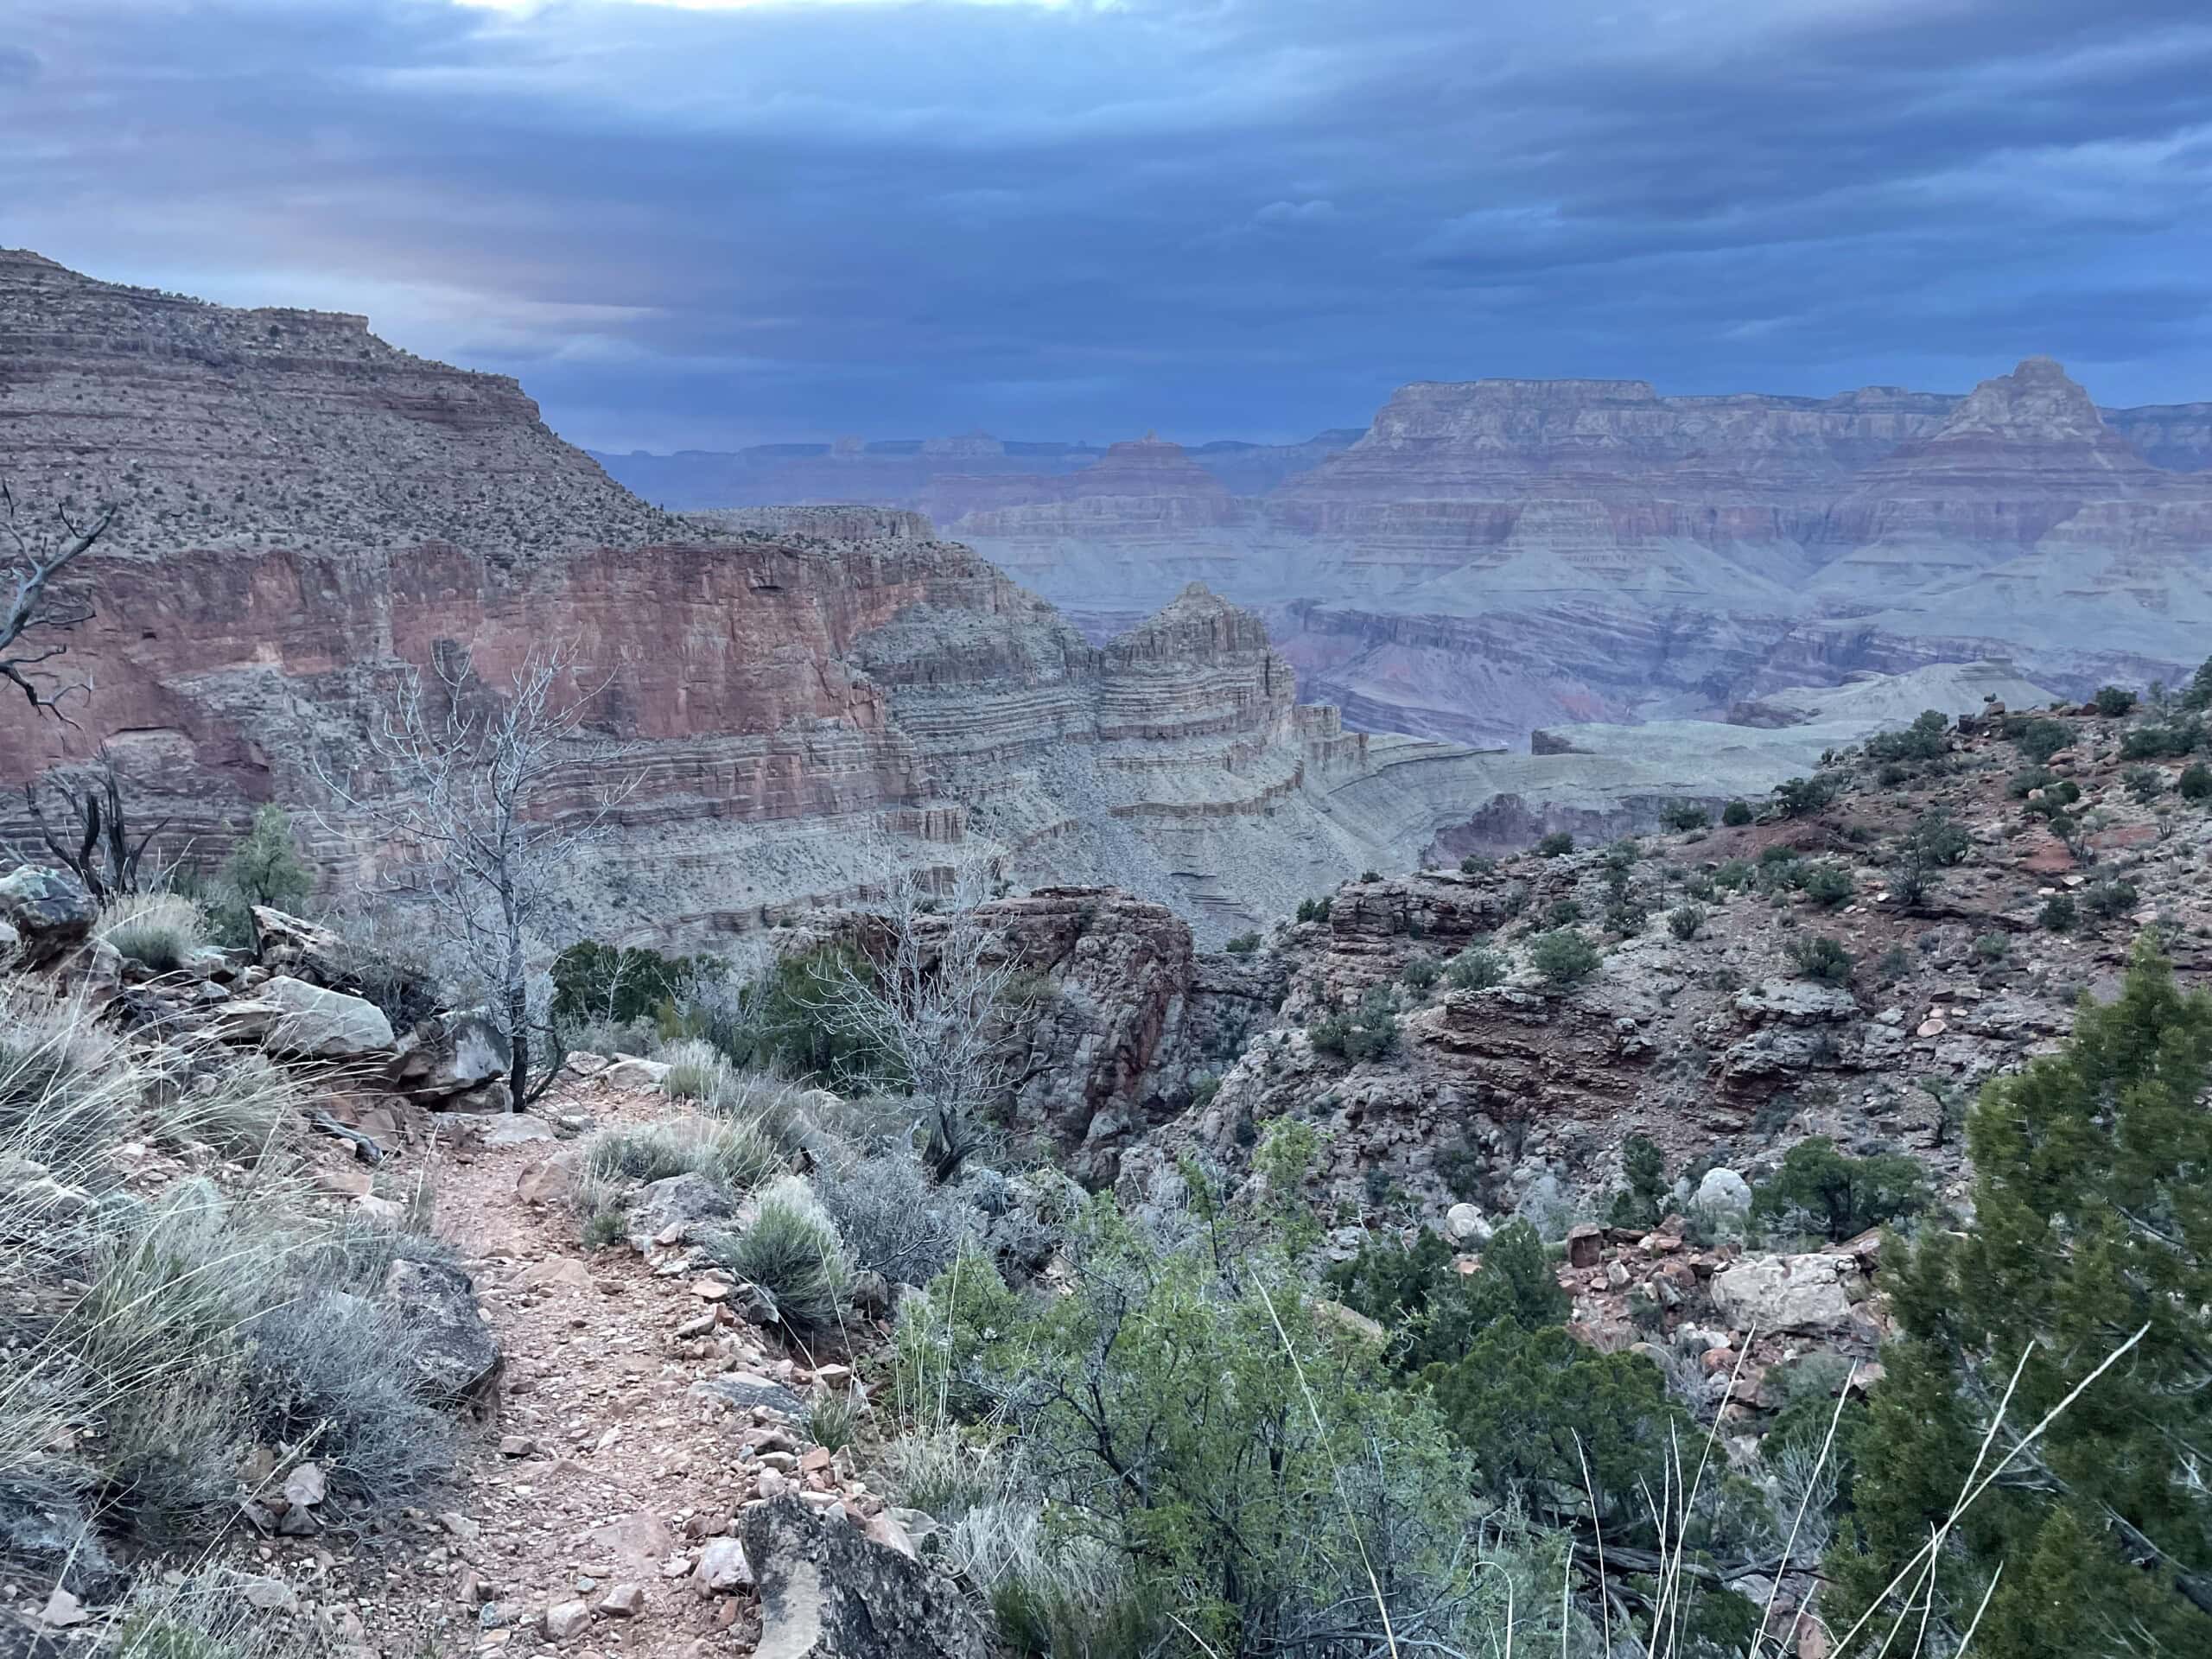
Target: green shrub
{"points": [[1560, 912], [1243, 945], [793, 1252], [2196, 782], [1992, 947], [1734, 875], [2112, 702], [1420, 973], [1736, 814], [593, 980], [1801, 798], [1476, 864], [2144, 784], [1826, 885], [1839, 1195], [1313, 909], [2038, 740], [1368, 1031], [1370, 875], [1555, 844], [1433, 1311], [2182, 737], [1927, 739], [1684, 816], [1477, 968], [1816, 956], [1625, 918], [2110, 898], [1563, 958], [1649, 1192], [265, 867], [2059, 914]]}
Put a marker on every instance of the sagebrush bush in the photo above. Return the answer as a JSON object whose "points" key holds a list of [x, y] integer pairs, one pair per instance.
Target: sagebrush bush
{"points": [[156, 929], [1420, 973], [793, 1252], [1816, 956], [1555, 844], [892, 1219], [1736, 814], [695, 1070], [333, 1374], [1368, 1031], [1686, 922]]}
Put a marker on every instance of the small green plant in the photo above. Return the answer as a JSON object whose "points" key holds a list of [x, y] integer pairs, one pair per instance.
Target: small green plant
{"points": [[1563, 958], [1368, 1031], [1476, 969], [1991, 947], [1370, 875], [833, 1421], [2194, 783], [1560, 912], [2038, 740], [2112, 701], [1683, 817], [1476, 864], [1801, 798], [1243, 945], [1734, 875], [2059, 913], [1686, 922], [1818, 957], [1313, 909], [2163, 742], [1555, 844], [1926, 739], [1625, 918], [1826, 885], [1736, 814], [1420, 973], [2110, 898], [2144, 784], [793, 1252]]}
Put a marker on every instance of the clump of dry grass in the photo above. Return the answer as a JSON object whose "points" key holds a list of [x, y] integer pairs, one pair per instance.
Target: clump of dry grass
{"points": [[156, 929]]}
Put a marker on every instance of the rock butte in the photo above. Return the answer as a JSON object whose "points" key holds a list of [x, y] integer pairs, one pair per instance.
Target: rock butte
{"points": [[817, 697], [1492, 556]]}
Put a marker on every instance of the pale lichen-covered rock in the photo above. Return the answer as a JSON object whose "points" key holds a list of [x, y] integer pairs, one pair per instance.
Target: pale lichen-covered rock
{"points": [[829, 1591], [449, 1054], [303, 1021], [1809, 1293]]}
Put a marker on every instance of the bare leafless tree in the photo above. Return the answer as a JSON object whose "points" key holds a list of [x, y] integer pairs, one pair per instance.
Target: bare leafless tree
{"points": [[460, 775], [931, 994], [36, 609], [94, 840]]}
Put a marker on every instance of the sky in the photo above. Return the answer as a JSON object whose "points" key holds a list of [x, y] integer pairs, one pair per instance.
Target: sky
{"points": [[714, 223]]}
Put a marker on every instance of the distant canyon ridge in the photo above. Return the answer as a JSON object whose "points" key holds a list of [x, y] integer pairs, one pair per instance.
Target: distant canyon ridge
{"points": [[1492, 556]]}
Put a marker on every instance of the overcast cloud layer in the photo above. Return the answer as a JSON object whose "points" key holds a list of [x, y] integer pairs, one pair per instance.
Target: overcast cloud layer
{"points": [[705, 224]]}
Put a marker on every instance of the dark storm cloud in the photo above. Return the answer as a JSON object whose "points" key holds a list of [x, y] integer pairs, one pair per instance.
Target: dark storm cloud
{"points": [[707, 226]]}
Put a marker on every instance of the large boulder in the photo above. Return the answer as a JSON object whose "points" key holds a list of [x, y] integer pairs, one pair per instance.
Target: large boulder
{"points": [[314, 1024], [1723, 1192], [293, 945], [455, 1353], [1808, 1294], [678, 1202], [829, 1591], [48, 913], [450, 1054]]}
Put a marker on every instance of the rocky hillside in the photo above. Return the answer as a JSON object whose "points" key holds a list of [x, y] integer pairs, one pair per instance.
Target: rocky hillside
{"points": [[276, 428]]}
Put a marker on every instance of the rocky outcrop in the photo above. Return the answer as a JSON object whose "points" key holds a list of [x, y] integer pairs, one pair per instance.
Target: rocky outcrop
{"points": [[828, 1591], [276, 428]]}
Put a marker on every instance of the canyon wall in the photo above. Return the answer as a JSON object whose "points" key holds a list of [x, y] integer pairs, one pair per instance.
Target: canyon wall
{"points": [[807, 699], [1495, 556]]}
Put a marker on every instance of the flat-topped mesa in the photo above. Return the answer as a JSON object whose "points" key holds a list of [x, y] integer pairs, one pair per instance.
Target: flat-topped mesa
{"points": [[217, 427], [1141, 488]]}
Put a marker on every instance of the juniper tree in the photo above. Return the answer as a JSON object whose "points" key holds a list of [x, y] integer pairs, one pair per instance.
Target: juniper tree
{"points": [[2092, 1221]]}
